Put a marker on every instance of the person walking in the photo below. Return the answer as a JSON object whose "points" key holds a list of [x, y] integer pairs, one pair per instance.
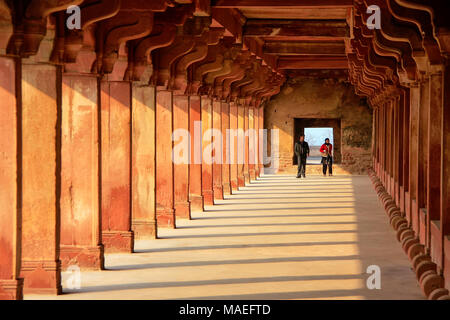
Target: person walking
{"points": [[327, 157], [302, 152]]}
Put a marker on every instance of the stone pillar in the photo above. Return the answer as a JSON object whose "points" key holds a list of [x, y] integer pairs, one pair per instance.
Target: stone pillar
{"points": [[406, 147], [414, 155], [445, 176], [256, 140], [433, 201], [261, 142], [422, 161], [11, 285], [181, 156], [217, 150], [251, 144], [41, 160], [241, 146], [400, 147], [143, 161], [81, 243], [233, 146], [116, 166], [226, 181], [207, 167], [246, 144], [195, 166], [165, 212]]}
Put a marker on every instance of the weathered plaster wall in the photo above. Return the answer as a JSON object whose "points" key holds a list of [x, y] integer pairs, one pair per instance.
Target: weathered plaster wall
{"points": [[304, 97]]}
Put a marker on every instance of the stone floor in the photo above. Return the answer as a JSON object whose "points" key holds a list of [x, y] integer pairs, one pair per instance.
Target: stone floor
{"points": [[277, 238]]}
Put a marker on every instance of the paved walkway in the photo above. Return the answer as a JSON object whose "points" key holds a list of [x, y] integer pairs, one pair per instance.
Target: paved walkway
{"points": [[278, 238]]}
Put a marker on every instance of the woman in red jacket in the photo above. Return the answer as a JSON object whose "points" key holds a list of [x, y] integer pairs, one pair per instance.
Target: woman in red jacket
{"points": [[327, 157]]}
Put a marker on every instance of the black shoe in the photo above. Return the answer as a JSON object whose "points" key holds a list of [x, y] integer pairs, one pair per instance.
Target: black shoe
{"points": [[304, 177], [299, 177]]}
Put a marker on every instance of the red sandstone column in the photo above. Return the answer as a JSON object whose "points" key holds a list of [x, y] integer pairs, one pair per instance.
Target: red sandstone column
{"points": [[10, 229], [116, 166], [434, 239], [207, 167], [414, 154], [81, 243], [181, 156], [233, 146], [241, 146], [422, 165], [40, 171], [445, 177], [246, 144], [143, 162], [261, 140], [195, 165], [256, 140], [400, 147], [217, 151], [165, 213], [251, 144], [226, 182]]}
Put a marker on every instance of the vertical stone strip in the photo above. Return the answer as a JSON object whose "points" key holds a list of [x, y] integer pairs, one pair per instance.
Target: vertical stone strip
{"points": [[207, 167], [256, 141], [165, 213], [241, 146], [261, 142], [181, 156], [414, 154], [41, 125], [434, 239], [233, 146], [195, 165], [11, 286], [217, 150], [143, 162], [251, 144], [246, 144], [116, 166], [226, 182], [81, 244], [445, 176]]}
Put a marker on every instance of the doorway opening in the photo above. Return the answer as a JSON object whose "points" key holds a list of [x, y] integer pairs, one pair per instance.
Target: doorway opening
{"points": [[315, 131], [315, 138]]}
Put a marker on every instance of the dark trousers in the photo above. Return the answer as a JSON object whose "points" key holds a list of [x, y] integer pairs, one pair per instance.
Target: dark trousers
{"points": [[301, 166], [327, 163]]}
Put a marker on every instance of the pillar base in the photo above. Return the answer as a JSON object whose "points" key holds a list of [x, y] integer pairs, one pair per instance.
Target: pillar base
{"points": [[218, 193], [226, 188], [208, 198], [241, 182], [234, 185], [252, 174], [118, 241], [144, 230], [247, 178], [41, 277], [11, 289], [183, 210], [165, 218], [196, 203], [86, 258]]}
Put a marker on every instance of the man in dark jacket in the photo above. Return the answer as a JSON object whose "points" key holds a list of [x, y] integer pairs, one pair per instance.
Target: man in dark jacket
{"points": [[302, 152]]}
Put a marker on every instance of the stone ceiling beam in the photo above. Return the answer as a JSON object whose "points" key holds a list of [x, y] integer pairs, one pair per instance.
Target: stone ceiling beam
{"points": [[315, 29], [312, 62], [304, 48], [273, 4]]}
